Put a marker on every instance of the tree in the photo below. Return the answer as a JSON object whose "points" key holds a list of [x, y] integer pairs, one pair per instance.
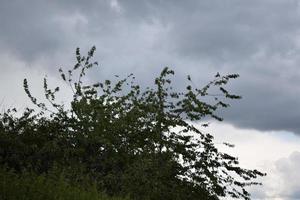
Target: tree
{"points": [[135, 142]]}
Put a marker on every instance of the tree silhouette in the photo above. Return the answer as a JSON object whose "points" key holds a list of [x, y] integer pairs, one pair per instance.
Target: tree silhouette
{"points": [[141, 143]]}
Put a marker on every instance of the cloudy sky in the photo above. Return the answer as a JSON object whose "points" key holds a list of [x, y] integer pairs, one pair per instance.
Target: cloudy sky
{"points": [[258, 39]]}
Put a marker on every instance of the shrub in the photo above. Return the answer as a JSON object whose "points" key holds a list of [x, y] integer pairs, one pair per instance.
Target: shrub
{"points": [[52, 186], [124, 138]]}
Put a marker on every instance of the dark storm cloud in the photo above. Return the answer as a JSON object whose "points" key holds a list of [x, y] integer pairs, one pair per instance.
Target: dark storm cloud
{"points": [[257, 39], [31, 29]]}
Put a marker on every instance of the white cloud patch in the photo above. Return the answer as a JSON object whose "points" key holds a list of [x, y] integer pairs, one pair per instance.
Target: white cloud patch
{"points": [[275, 153], [12, 92], [115, 6]]}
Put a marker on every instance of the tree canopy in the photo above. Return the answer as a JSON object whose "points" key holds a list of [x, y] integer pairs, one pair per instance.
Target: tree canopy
{"points": [[129, 141]]}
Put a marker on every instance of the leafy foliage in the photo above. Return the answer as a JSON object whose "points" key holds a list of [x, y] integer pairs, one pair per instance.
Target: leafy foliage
{"points": [[141, 143], [52, 186]]}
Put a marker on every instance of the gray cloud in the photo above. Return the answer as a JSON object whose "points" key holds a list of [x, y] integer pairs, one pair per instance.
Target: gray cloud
{"points": [[257, 39]]}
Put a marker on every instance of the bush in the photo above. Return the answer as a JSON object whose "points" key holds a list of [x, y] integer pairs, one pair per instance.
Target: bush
{"points": [[124, 138], [53, 186]]}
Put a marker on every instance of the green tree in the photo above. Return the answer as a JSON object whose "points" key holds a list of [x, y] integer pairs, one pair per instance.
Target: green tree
{"points": [[141, 143]]}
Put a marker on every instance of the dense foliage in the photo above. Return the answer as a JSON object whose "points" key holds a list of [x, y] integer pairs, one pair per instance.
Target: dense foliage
{"points": [[141, 143], [53, 186]]}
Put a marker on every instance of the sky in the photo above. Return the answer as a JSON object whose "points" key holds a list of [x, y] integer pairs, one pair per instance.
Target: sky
{"points": [[258, 39]]}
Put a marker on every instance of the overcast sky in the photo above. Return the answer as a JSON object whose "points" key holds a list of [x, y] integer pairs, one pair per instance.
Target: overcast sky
{"points": [[258, 39]]}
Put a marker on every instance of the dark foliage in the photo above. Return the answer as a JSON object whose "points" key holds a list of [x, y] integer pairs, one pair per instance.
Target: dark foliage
{"points": [[141, 143], [53, 186]]}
